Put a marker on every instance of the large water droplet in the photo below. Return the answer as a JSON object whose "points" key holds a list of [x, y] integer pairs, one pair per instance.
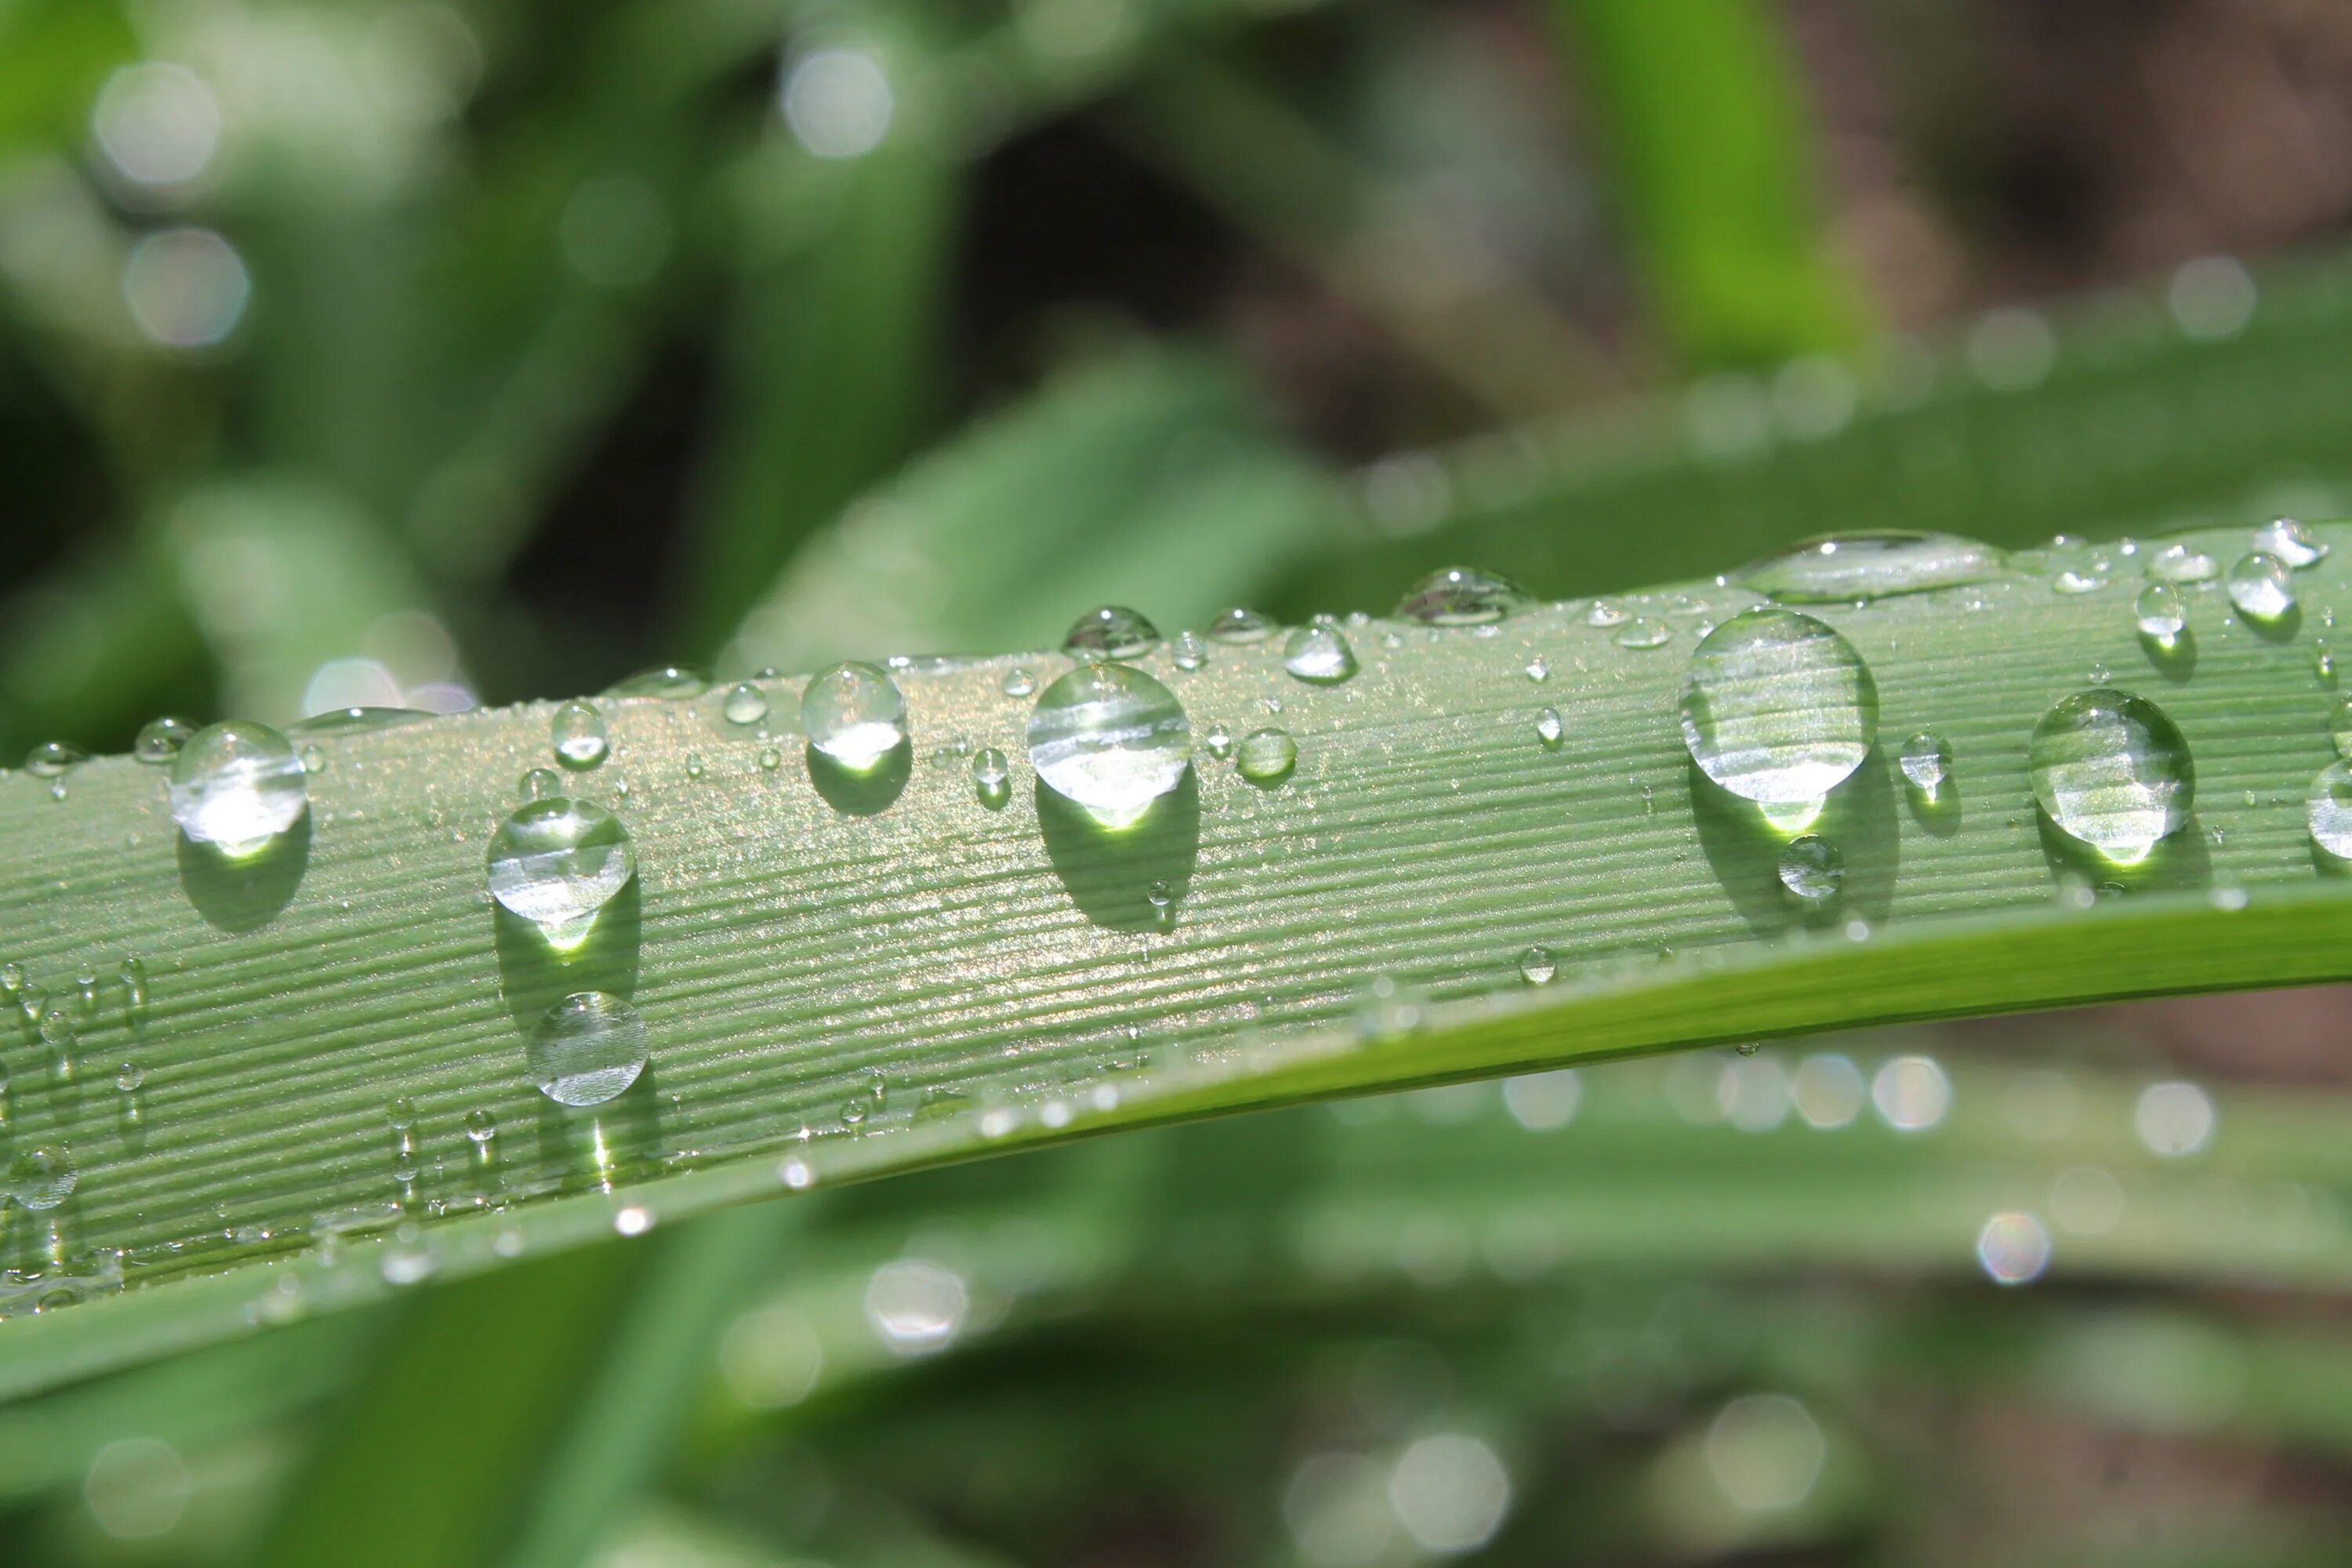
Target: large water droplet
{"points": [[1852, 567], [1266, 756], [40, 1178], [1320, 655], [160, 739], [577, 731], [1240, 625], [992, 778], [855, 714], [51, 758], [1462, 597], [1778, 707], [1114, 631], [2291, 541], [2158, 612], [2328, 810], [744, 703], [1813, 869], [2262, 587], [2110, 769], [558, 862], [587, 1048], [1110, 739], [237, 786]]}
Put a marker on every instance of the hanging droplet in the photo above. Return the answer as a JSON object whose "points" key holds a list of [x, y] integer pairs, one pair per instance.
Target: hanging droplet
{"points": [[1853, 568], [1536, 965], [2110, 769], [538, 784], [160, 739], [1462, 597], [1644, 633], [1019, 683], [1111, 740], [745, 703], [41, 1178], [52, 758], [587, 1049], [2327, 811], [235, 786], [1926, 761], [674, 681], [2291, 541], [2159, 614], [2180, 563], [1813, 869], [1320, 655], [557, 863], [1113, 631], [1239, 625], [578, 732], [1189, 651], [1549, 728], [1778, 707], [992, 778], [855, 714], [2262, 587], [1266, 756]]}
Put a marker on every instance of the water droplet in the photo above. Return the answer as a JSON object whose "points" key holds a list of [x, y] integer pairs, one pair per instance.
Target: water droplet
{"points": [[314, 758], [693, 765], [40, 1178], [57, 1030], [1853, 568], [51, 758], [160, 739], [235, 787], [2074, 580], [1813, 869], [1266, 756], [480, 1125], [671, 680], [1536, 965], [855, 714], [1189, 651], [745, 703], [1549, 727], [557, 862], [1462, 597], [578, 732], [1019, 683], [129, 1077], [1926, 761], [2180, 563], [2098, 674], [2110, 769], [2327, 811], [1113, 631], [1239, 625], [1320, 655], [992, 778], [2322, 661], [587, 1048], [2261, 586], [1778, 707], [538, 784], [1606, 613], [1110, 739], [1537, 671], [1642, 632], [770, 758], [2158, 612], [1162, 899], [2290, 542], [2340, 725], [133, 976]]}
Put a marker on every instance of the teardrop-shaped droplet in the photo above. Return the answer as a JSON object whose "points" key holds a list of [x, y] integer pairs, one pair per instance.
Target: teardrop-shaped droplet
{"points": [[2182, 564], [1850, 568], [855, 714], [1778, 707], [160, 739], [2291, 541], [51, 758], [577, 731], [1536, 965], [1926, 761], [1549, 727], [1811, 869], [1320, 655], [586, 1050], [2262, 587], [40, 1178], [2160, 613], [992, 778], [237, 786], [1462, 597], [1266, 756], [2110, 769], [558, 862], [1113, 631], [2327, 811], [1241, 624], [1111, 740], [744, 703], [674, 681]]}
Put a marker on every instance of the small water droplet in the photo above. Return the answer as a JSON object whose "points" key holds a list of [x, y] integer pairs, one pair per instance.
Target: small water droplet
{"points": [[1241, 624], [538, 784], [2158, 614], [2099, 675], [1266, 756], [57, 1031], [1189, 651], [1537, 671], [51, 758], [1162, 899], [2071, 580], [744, 703], [41, 1178], [2110, 769], [2181, 564], [314, 758], [855, 714], [1320, 655], [1606, 613], [1536, 965], [1019, 683], [587, 1049], [2291, 541], [2327, 811], [1549, 727], [235, 787], [1220, 741], [2322, 661], [1813, 869], [1926, 761], [1114, 631], [1642, 632], [1462, 597], [557, 862], [160, 739], [133, 976], [670, 680], [577, 730], [129, 1077], [693, 765], [2261, 586], [770, 758], [1111, 740], [1778, 707], [480, 1125], [1854, 568], [992, 778], [2340, 725]]}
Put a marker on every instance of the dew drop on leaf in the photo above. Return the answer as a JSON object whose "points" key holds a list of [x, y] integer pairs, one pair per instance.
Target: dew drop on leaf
{"points": [[855, 714], [237, 786], [1536, 965], [577, 732], [587, 1049], [992, 778], [2158, 614], [1241, 624], [744, 703], [1778, 707], [2111, 770], [1811, 869], [2262, 587], [1462, 597], [1926, 763], [1114, 631], [160, 739], [1853, 568], [1320, 655], [558, 862], [1266, 756], [1110, 739]]}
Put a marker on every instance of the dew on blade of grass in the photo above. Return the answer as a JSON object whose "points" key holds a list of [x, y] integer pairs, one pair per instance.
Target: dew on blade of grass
{"points": [[992, 778], [1549, 727], [1462, 597], [235, 786], [1643, 633], [2327, 811], [2340, 725], [1266, 756], [1537, 671], [855, 714], [1777, 706], [1926, 763], [2110, 769], [2158, 614], [674, 681], [1019, 683], [1111, 740], [744, 704], [577, 731], [538, 784], [1241, 624], [2181, 564], [770, 759], [1811, 869], [1189, 651], [52, 758], [1536, 965], [558, 862], [1114, 631], [1855, 567], [586, 1050], [160, 739], [1320, 655], [41, 1178], [2262, 587], [2291, 541]]}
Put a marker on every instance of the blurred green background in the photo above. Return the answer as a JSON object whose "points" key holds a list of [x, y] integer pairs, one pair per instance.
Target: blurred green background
{"points": [[439, 355]]}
